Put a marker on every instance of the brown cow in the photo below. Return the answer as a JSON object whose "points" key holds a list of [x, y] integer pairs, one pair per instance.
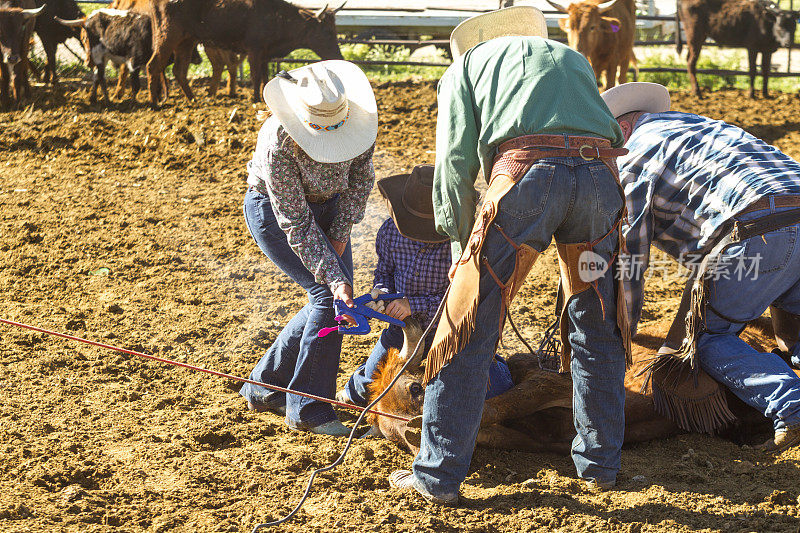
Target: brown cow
{"points": [[536, 414], [603, 33], [16, 25], [219, 58], [758, 26], [262, 29]]}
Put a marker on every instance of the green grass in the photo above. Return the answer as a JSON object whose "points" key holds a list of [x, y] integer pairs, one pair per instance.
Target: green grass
{"points": [[710, 58]]}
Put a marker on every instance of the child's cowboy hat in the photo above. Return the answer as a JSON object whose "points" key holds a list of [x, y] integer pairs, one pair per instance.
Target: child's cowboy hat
{"points": [[409, 198], [327, 107], [524, 21], [636, 96]]}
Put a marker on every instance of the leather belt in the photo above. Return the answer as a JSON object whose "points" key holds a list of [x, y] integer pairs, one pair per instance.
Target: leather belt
{"points": [[785, 200], [542, 146]]}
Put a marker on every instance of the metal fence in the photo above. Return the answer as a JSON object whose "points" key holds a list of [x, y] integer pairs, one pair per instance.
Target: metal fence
{"points": [[445, 43]]}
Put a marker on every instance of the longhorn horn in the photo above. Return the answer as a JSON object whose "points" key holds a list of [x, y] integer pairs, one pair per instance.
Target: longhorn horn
{"points": [[605, 6], [77, 23], [318, 14], [558, 7], [30, 13], [340, 7]]}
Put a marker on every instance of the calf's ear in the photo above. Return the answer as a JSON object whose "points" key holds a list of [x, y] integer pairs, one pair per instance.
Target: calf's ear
{"points": [[563, 24]]}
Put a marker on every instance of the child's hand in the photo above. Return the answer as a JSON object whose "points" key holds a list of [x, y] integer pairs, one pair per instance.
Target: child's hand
{"points": [[399, 308]]}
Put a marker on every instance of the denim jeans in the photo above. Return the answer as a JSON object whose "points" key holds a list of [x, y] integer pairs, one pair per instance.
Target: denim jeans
{"points": [[298, 359], [574, 201], [762, 380], [392, 337]]}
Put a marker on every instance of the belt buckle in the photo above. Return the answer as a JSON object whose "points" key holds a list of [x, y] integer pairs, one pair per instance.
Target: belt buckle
{"points": [[580, 152]]}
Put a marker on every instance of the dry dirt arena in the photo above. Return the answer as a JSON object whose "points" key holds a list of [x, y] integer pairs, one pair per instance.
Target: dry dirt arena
{"points": [[124, 225]]}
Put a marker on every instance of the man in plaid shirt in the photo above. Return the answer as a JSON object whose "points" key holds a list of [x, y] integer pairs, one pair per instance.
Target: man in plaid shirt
{"points": [[413, 260], [687, 178]]}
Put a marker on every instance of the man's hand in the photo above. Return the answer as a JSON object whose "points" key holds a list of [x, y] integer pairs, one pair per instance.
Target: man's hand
{"points": [[399, 308], [344, 292], [338, 246]]}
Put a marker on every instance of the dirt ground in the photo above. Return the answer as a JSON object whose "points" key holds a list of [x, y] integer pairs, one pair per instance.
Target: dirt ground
{"points": [[124, 225]]}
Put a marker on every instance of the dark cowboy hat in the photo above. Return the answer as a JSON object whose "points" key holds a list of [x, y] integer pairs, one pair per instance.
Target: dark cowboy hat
{"points": [[409, 198]]}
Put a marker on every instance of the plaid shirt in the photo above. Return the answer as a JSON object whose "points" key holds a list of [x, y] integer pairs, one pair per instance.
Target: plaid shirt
{"points": [[417, 269], [685, 177]]}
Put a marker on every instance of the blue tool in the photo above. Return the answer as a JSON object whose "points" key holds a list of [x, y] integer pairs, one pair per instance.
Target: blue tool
{"points": [[361, 313]]}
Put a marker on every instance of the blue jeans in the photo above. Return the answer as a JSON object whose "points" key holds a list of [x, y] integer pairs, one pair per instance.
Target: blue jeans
{"points": [[574, 201], [762, 380], [298, 359], [392, 337]]}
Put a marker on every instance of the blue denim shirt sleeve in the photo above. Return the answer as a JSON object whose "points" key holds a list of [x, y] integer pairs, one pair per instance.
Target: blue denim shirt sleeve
{"points": [[638, 233]]}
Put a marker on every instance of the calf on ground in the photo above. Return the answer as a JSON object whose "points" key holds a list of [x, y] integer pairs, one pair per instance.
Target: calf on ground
{"points": [[16, 25], [604, 33], [121, 37], [753, 24], [262, 29], [536, 413]]}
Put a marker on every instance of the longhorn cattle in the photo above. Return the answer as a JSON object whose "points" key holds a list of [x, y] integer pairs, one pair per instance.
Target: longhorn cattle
{"points": [[536, 414], [262, 29], [220, 59], [16, 25], [51, 33], [753, 24], [604, 33]]}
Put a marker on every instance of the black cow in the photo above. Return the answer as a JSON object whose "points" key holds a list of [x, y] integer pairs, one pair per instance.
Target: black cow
{"points": [[753, 24], [51, 33], [15, 30], [262, 29]]}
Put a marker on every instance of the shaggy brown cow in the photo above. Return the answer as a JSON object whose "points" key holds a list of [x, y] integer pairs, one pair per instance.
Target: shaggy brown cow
{"points": [[219, 58], [536, 414], [603, 33], [16, 25], [758, 26], [262, 29]]}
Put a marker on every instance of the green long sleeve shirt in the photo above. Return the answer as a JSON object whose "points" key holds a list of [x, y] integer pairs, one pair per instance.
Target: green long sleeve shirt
{"points": [[498, 90]]}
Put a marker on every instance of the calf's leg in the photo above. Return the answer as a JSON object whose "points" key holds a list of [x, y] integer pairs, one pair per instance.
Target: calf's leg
{"points": [[766, 63], [752, 58], [119, 92], [183, 54]]}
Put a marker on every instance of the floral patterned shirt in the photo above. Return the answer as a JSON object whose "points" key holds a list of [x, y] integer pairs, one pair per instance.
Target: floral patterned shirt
{"points": [[287, 178]]}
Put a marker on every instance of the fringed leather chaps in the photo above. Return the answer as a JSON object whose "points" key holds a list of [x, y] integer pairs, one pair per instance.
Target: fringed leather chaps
{"points": [[515, 158]]}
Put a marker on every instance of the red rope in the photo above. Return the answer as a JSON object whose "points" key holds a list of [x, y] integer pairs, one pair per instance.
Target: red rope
{"points": [[200, 369]]}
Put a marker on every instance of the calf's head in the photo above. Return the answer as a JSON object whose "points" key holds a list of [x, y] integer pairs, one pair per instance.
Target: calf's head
{"points": [[586, 25], [406, 397], [784, 27], [13, 26]]}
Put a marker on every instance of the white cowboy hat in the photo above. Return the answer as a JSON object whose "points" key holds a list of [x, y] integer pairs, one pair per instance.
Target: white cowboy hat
{"points": [[327, 107], [636, 96], [524, 21]]}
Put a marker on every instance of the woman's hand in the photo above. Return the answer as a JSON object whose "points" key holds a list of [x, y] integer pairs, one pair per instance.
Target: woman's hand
{"points": [[399, 308], [339, 247], [344, 292]]}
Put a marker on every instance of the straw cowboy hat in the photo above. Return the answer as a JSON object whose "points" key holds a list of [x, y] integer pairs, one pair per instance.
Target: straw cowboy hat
{"points": [[327, 107], [409, 198], [636, 96], [524, 21]]}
